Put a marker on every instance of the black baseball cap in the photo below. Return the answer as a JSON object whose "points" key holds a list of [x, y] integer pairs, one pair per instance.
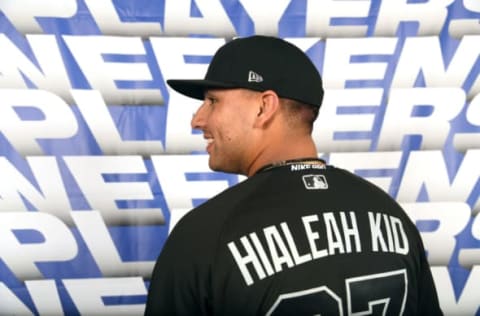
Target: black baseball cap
{"points": [[259, 63]]}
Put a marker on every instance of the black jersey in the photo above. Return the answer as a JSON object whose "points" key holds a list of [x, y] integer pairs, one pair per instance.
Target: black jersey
{"points": [[295, 240]]}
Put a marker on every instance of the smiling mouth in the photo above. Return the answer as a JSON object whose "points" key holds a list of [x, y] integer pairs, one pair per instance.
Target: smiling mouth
{"points": [[209, 143]]}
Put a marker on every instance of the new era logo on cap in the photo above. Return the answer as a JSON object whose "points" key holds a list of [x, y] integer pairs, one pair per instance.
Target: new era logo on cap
{"points": [[254, 77]]}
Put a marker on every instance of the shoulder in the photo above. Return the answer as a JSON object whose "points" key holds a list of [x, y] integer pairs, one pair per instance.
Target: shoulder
{"points": [[351, 183], [204, 224], [223, 204]]}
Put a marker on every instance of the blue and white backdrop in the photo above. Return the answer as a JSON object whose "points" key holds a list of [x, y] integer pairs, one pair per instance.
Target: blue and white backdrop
{"points": [[98, 160]]}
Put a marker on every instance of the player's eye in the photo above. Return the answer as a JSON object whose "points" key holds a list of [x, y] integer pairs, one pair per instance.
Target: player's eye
{"points": [[211, 100]]}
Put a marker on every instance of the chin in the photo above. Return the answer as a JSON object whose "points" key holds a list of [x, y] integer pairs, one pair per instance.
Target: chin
{"points": [[214, 166], [221, 168]]}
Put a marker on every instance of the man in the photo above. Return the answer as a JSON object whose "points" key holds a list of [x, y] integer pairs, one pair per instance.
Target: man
{"points": [[297, 237]]}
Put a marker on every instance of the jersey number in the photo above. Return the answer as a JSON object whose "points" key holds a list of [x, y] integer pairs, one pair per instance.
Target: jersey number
{"points": [[374, 294]]}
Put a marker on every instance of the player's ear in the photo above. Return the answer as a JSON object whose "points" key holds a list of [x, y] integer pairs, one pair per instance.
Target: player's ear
{"points": [[267, 108]]}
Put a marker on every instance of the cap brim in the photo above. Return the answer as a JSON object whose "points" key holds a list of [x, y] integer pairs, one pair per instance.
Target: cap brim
{"points": [[196, 88]]}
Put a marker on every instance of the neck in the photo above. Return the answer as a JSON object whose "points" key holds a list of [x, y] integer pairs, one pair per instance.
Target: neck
{"points": [[301, 149]]}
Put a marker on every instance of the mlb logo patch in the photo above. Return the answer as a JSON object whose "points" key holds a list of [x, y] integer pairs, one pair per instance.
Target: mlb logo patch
{"points": [[315, 182]]}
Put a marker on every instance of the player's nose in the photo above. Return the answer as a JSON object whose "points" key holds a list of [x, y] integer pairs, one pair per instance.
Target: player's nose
{"points": [[198, 118]]}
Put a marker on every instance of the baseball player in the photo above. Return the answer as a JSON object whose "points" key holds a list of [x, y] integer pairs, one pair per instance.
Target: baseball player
{"points": [[297, 237]]}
